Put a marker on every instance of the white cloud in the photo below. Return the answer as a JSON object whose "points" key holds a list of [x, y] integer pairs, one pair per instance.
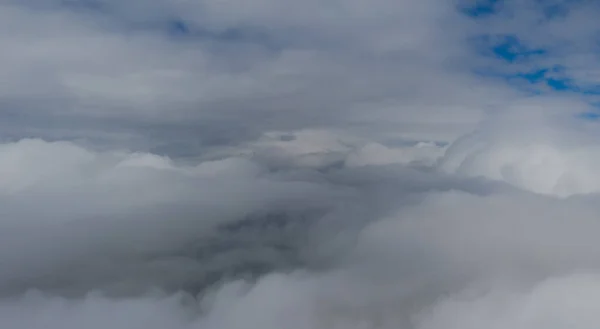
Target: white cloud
{"points": [[539, 148]]}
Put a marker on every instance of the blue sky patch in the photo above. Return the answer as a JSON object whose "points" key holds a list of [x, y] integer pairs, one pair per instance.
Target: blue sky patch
{"points": [[177, 27], [557, 9], [512, 49], [561, 84], [508, 48], [482, 8], [533, 76], [591, 116], [512, 56]]}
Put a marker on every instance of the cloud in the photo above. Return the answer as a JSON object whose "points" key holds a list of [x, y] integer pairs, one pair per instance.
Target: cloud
{"points": [[214, 164], [565, 301], [544, 148], [48, 312], [62, 204], [114, 69]]}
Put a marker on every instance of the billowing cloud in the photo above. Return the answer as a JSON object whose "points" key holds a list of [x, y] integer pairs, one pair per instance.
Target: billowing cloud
{"points": [[544, 149], [279, 164]]}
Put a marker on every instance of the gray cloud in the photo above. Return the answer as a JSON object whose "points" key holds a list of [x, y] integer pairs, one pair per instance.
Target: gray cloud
{"points": [[356, 66], [221, 164]]}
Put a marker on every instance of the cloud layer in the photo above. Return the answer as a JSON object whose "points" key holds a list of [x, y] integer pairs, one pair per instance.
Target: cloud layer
{"points": [[219, 164]]}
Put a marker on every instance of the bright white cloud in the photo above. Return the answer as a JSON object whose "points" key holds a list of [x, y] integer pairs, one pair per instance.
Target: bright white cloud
{"points": [[537, 147]]}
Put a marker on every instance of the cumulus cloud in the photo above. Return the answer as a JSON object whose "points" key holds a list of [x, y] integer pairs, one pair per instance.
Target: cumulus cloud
{"points": [[539, 147], [220, 164]]}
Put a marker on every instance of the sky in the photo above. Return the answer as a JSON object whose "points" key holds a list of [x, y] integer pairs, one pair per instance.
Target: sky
{"points": [[225, 164]]}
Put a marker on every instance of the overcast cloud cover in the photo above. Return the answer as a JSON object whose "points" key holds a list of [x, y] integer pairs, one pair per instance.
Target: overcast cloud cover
{"points": [[228, 164]]}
